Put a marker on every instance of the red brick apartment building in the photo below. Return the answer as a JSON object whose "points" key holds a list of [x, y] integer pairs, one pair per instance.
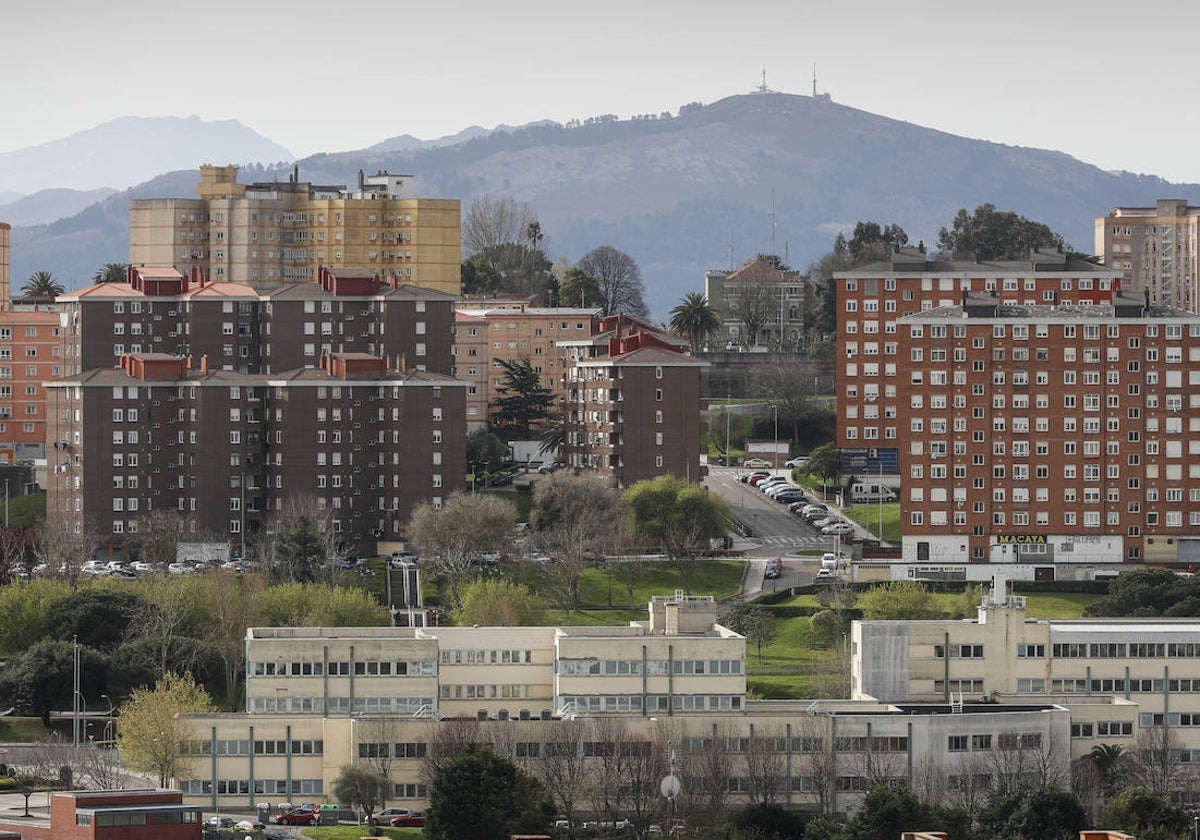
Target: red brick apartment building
{"points": [[633, 405], [158, 310], [31, 352], [871, 362], [1049, 433], [488, 337], [110, 815]]}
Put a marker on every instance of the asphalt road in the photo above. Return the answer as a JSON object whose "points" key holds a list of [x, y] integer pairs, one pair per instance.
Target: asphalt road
{"points": [[774, 532]]}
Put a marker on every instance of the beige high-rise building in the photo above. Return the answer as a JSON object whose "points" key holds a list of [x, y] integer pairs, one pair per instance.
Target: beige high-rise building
{"points": [[273, 233], [1155, 250]]}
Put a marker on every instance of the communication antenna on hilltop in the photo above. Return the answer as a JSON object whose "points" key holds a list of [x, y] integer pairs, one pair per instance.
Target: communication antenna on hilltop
{"points": [[814, 80], [763, 87]]}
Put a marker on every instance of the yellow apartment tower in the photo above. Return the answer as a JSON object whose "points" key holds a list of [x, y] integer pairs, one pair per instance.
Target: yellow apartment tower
{"points": [[276, 233]]}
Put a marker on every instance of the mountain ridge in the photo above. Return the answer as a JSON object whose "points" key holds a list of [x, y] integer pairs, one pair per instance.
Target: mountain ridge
{"points": [[708, 188]]}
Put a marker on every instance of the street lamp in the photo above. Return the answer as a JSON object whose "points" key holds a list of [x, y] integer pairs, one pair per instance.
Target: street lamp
{"points": [[775, 408], [108, 719]]}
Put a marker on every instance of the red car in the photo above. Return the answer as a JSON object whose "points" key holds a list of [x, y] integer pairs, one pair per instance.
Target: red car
{"points": [[416, 819], [299, 816]]}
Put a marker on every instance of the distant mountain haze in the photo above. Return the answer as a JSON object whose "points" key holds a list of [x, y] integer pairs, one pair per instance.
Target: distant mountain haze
{"points": [[129, 150], [707, 189]]}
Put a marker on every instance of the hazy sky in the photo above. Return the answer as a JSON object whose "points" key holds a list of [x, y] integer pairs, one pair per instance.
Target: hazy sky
{"points": [[1111, 84]]}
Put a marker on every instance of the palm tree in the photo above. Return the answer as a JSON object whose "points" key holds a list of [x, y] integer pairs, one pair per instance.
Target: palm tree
{"points": [[110, 273], [1110, 761], [43, 284], [695, 318]]}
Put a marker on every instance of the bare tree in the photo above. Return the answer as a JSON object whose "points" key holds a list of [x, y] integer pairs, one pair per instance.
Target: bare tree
{"points": [[561, 765], [706, 770], [754, 305], [642, 765], [299, 543], [619, 280], [815, 759], [1159, 759], [446, 739], [764, 765], [458, 532], [969, 780], [64, 546], [172, 608], [1019, 758], [492, 221], [573, 517], [99, 768], [606, 741], [377, 736], [159, 534]]}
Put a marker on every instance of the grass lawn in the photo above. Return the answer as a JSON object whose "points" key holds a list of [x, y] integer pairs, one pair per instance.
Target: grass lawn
{"points": [[719, 578], [868, 517], [22, 730], [790, 668], [592, 618], [354, 832], [1057, 604]]}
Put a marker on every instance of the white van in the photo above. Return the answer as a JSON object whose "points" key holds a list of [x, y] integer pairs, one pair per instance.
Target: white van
{"points": [[863, 492], [829, 561]]}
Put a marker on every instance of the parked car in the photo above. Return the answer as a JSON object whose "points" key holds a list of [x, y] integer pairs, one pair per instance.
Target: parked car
{"points": [[815, 506], [838, 528], [796, 462], [755, 477], [385, 816], [746, 476], [774, 568], [95, 568], [141, 567], [300, 816], [414, 819], [219, 822], [759, 463], [181, 569]]}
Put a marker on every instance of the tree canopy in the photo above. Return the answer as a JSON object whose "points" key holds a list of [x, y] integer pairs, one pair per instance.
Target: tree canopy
{"points": [[678, 516], [695, 319], [1148, 592], [478, 795], [618, 281], [153, 727], [453, 535], [361, 786], [900, 600], [991, 234], [42, 284], [113, 272], [524, 401]]}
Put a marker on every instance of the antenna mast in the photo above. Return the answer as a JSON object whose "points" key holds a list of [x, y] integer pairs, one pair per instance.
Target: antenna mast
{"points": [[814, 80]]}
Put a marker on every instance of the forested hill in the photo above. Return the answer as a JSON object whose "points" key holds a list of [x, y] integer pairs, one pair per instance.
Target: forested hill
{"points": [[697, 190]]}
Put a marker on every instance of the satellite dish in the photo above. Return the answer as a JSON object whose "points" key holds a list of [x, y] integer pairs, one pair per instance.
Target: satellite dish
{"points": [[670, 786]]}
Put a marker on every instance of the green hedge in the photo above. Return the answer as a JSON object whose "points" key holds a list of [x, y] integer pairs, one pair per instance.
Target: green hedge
{"points": [[1090, 587], [853, 614]]}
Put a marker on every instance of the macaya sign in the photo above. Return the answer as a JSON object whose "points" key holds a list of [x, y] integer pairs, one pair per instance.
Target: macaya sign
{"points": [[1019, 539]]}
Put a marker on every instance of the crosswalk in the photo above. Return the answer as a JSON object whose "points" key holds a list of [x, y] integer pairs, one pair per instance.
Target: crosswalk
{"points": [[797, 541]]}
